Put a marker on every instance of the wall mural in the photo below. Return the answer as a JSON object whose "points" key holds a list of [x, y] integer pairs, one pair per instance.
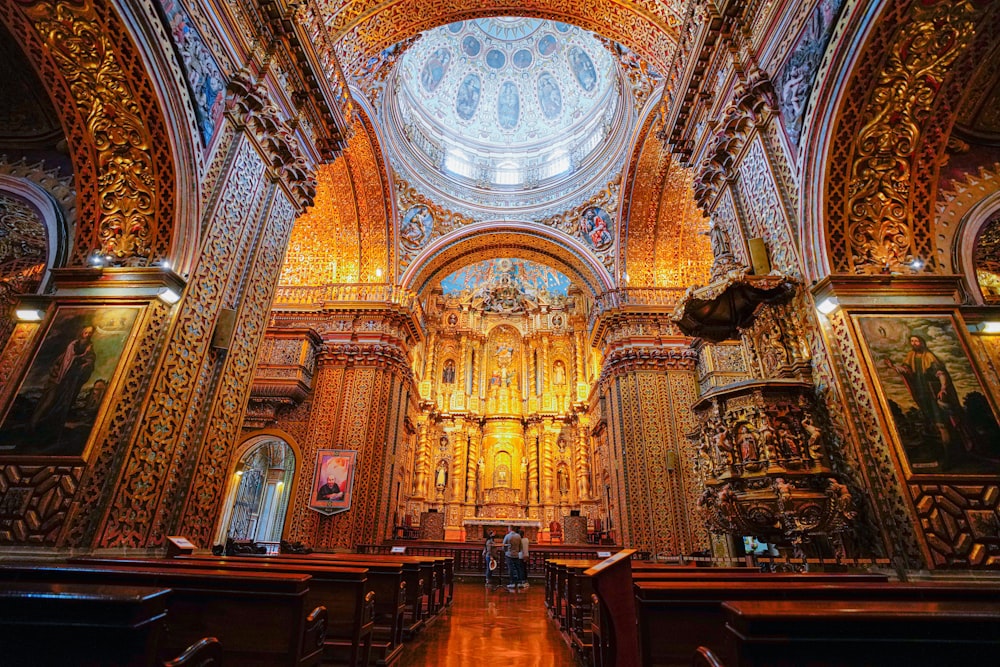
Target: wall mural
{"points": [[795, 80], [62, 393], [942, 416], [200, 69], [506, 285]]}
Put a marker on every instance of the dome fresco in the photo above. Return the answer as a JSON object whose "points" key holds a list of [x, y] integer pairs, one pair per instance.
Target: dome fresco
{"points": [[500, 113], [510, 56]]}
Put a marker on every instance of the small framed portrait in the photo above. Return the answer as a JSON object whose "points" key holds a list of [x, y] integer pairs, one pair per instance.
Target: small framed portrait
{"points": [[333, 481], [940, 411], [63, 391]]}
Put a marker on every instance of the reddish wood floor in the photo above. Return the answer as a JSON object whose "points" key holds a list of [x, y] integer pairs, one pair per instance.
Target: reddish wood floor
{"points": [[503, 627]]}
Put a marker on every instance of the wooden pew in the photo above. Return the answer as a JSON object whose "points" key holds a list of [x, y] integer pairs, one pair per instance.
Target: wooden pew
{"points": [[224, 604], [852, 633], [343, 591], [385, 580], [613, 631], [676, 617], [90, 624], [418, 575]]}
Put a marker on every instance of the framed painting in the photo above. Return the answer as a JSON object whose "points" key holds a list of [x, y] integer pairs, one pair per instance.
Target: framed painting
{"points": [[62, 394], [941, 414], [333, 481]]}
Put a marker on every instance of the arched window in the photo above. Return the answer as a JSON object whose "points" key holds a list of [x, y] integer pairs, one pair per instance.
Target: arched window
{"points": [[259, 500]]}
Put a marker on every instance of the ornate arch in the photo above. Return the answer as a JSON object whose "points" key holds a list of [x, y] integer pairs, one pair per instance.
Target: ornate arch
{"points": [[890, 126], [116, 131], [493, 239], [362, 30]]}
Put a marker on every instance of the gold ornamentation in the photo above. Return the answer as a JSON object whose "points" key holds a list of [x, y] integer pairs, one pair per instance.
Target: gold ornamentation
{"points": [[128, 182], [879, 224]]}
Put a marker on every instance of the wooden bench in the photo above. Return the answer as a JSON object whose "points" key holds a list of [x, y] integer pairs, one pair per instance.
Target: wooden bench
{"points": [[418, 574], [674, 618], [44, 624], [224, 604], [385, 580], [852, 633], [343, 591]]}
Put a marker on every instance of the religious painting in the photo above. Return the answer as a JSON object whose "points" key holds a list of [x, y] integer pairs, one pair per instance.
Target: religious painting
{"points": [[495, 58], [522, 58], [940, 412], [448, 372], [795, 79], [200, 69], [508, 106], [467, 99], [595, 227], [61, 396], [471, 46], [416, 227], [435, 69], [562, 27], [583, 68], [333, 481], [547, 45], [549, 97]]}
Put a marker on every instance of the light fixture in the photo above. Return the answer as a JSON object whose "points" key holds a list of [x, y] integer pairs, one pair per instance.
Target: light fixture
{"points": [[917, 264], [828, 305], [168, 296], [29, 314], [987, 327], [239, 470], [378, 272]]}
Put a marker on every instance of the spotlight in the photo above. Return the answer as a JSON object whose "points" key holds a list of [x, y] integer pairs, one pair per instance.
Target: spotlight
{"points": [[828, 305], [29, 314], [168, 296]]}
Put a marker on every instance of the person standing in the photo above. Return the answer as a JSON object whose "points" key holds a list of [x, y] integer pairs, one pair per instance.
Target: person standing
{"points": [[512, 551], [488, 557], [523, 560]]}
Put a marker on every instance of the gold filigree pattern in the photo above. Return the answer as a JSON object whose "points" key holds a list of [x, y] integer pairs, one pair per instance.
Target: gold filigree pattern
{"points": [[129, 184], [879, 231]]}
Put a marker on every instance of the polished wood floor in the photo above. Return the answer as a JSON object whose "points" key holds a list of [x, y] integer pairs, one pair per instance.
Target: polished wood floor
{"points": [[501, 626]]}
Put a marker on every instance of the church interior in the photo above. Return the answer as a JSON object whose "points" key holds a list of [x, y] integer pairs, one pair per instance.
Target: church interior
{"points": [[673, 285]]}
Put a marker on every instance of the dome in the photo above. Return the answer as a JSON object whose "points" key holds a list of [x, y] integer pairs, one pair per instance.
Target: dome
{"points": [[517, 114]]}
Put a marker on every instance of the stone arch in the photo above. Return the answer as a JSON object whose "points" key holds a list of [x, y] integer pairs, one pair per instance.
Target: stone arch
{"points": [[527, 241], [904, 82], [363, 30], [117, 133]]}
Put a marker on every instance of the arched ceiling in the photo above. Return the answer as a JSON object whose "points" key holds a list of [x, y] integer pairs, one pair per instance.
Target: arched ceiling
{"points": [[516, 240], [363, 29]]}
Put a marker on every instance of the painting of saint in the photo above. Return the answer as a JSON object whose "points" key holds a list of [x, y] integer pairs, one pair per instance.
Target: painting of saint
{"points": [[467, 99], [508, 106], [583, 68], [61, 395], [471, 46], [416, 227], [943, 418], [495, 59], [562, 27], [547, 45], [549, 97], [522, 59], [435, 69], [333, 481], [201, 71], [595, 226]]}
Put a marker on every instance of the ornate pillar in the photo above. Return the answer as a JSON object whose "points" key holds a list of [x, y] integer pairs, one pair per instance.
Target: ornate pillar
{"points": [[364, 391], [646, 387]]}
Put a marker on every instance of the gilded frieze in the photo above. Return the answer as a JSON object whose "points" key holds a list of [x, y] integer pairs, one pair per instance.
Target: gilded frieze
{"points": [[880, 233], [127, 182]]}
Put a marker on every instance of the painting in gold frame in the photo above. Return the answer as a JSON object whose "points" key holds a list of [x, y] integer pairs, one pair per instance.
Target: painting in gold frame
{"points": [[941, 414], [62, 393], [333, 481]]}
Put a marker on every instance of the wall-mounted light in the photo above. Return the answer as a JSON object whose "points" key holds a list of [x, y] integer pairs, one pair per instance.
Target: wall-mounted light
{"points": [[239, 470], [828, 306], [29, 314], [168, 296], [378, 272], [917, 264]]}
